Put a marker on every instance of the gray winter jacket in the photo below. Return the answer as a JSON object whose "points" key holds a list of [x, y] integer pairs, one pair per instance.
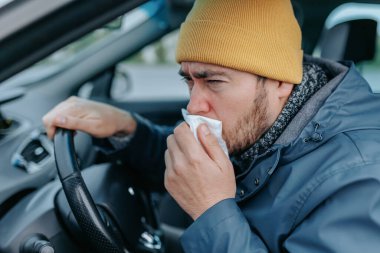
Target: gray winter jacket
{"points": [[317, 189]]}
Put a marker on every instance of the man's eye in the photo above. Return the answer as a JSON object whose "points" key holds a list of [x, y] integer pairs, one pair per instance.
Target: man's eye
{"points": [[186, 79], [216, 85], [213, 81]]}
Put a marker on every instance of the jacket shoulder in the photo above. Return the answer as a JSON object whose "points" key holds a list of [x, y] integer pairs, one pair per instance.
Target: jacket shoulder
{"points": [[347, 160]]}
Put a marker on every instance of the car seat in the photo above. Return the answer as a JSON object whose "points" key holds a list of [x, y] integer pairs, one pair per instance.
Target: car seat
{"points": [[353, 40]]}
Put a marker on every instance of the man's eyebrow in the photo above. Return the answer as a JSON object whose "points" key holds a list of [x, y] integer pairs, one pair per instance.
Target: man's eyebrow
{"points": [[202, 74]]}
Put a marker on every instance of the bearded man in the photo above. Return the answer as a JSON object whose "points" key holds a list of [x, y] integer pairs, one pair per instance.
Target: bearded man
{"points": [[303, 136]]}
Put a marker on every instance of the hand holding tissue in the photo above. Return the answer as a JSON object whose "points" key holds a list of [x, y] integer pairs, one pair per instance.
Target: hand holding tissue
{"points": [[215, 127]]}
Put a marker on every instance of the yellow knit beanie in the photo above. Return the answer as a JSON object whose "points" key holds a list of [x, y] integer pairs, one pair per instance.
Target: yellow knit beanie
{"points": [[257, 36]]}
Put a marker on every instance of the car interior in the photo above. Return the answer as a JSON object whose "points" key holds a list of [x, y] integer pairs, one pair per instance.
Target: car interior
{"points": [[51, 50], [357, 41]]}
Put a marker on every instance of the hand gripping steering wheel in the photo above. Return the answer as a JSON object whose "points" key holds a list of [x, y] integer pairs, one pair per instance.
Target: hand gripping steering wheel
{"points": [[82, 205]]}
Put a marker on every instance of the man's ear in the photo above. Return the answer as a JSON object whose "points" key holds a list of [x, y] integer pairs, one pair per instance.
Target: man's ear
{"points": [[284, 89], [278, 94]]}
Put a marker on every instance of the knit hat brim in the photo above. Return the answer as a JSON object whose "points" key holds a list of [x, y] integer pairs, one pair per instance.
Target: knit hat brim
{"points": [[227, 46]]}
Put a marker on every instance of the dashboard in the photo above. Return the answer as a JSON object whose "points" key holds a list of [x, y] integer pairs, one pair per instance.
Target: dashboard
{"points": [[26, 154]]}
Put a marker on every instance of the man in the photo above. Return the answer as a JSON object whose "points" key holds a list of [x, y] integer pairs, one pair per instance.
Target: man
{"points": [[303, 136]]}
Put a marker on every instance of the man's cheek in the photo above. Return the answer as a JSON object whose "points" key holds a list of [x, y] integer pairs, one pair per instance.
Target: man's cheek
{"points": [[227, 138]]}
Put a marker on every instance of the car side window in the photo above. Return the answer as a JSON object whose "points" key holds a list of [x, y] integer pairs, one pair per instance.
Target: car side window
{"points": [[151, 74]]}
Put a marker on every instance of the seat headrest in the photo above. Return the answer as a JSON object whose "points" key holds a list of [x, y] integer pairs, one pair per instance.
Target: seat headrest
{"points": [[353, 40]]}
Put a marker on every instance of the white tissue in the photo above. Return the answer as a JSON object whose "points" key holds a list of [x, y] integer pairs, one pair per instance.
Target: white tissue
{"points": [[214, 125]]}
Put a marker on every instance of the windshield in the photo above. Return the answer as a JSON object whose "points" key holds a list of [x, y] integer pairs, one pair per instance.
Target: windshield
{"points": [[79, 49], [4, 2]]}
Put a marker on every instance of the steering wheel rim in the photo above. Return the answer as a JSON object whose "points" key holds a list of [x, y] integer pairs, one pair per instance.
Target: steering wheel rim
{"points": [[79, 197]]}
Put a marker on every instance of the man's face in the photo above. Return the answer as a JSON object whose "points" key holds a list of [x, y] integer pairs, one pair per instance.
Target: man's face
{"points": [[236, 98]]}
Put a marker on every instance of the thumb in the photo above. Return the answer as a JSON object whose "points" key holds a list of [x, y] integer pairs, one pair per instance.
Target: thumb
{"points": [[211, 145]]}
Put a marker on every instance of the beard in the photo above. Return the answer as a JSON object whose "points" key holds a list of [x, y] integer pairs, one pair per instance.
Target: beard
{"points": [[250, 126]]}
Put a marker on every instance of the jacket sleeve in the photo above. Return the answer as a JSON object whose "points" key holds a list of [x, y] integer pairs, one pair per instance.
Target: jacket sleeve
{"points": [[221, 229], [347, 221], [143, 153]]}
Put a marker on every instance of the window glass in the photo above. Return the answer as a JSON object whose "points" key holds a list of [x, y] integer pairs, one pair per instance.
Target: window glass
{"points": [[60, 59], [4, 2], [151, 74], [80, 48], [73, 49]]}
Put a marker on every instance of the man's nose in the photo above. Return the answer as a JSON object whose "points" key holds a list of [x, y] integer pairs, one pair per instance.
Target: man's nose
{"points": [[198, 104]]}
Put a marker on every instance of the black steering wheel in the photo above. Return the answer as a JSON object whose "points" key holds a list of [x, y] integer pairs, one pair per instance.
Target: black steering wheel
{"points": [[97, 226]]}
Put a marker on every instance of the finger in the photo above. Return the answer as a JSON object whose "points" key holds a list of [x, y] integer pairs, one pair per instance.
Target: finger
{"points": [[74, 123], [168, 161], [186, 141], [168, 175], [50, 129], [211, 145], [177, 157], [50, 118]]}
